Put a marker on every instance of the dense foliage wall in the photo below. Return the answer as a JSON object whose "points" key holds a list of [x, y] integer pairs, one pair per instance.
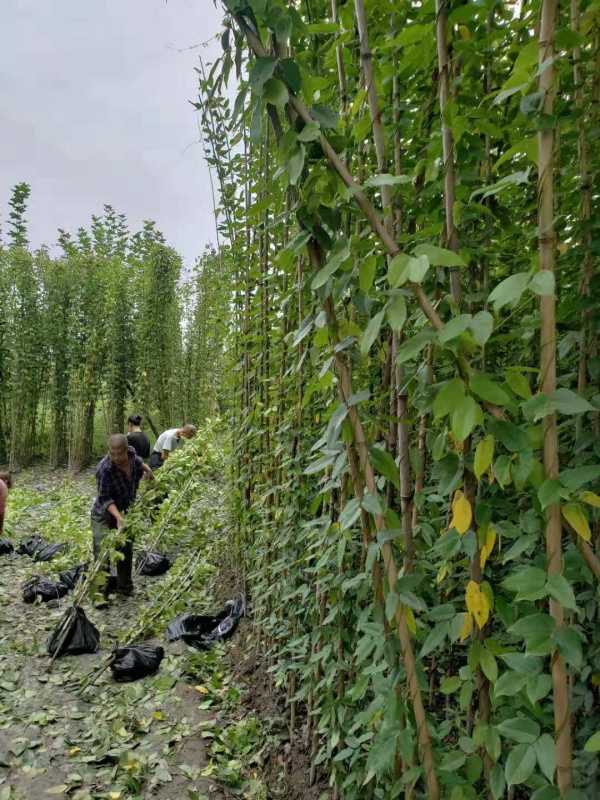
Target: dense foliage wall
{"points": [[95, 333], [408, 237]]}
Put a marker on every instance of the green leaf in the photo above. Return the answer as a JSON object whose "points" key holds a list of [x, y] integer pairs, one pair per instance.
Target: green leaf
{"points": [[567, 402], [518, 383], [275, 93], [509, 290], [576, 478], [417, 269], [325, 116], [435, 638], [290, 72], [528, 582], [398, 269], [466, 416], [488, 664], [413, 346], [371, 503], [485, 388], [391, 604], [543, 282], [484, 455], [317, 28], [438, 256], [537, 407], [481, 326], [350, 513], [593, 744], [372, 332], [569, 644], [528, 147], [311, 132], [549, 493], [509, 684], [450, 685], [366, 273], [519, 729], [545, 751], [454, 328], [384, 463], [261, 71], [519, 764], [396, 312], [338, 255], [502, 471], [295, 165], [448, 397], [560, 589], [513, 438], [533, 626], [538, 686], [497, 782]]}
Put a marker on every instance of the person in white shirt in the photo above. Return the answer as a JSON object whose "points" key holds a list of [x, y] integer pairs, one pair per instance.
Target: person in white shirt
{"points": [[167, 442]]}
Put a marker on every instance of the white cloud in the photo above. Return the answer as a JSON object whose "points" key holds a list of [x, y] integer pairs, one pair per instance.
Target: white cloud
{"points": [[95, 110]]}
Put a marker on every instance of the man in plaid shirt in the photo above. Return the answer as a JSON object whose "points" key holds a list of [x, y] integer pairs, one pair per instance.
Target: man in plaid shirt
{"points": [[118, 477]]}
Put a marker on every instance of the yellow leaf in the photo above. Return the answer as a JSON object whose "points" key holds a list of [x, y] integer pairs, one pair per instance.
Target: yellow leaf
{"points": [[484, 455], [158, 715], [74, 750], [577, 519], [591, 499], [477, 603], [442, 572], [410, 620], [201, 689], [486, 550], [114, 795], [461, 513], [467, 627]]}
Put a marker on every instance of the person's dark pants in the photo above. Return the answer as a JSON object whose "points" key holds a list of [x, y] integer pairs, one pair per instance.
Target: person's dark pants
{"points": [[119, 576], [155, 461]]}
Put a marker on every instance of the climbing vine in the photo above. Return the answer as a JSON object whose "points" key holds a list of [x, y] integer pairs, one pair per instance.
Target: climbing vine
{"points": [[404, 192]]}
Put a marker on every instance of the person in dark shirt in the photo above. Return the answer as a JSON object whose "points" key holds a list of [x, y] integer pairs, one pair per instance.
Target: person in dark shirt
{"points": [[136, 436], [118, 477]]}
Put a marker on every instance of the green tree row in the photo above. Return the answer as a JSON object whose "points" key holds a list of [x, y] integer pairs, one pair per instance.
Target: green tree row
{"points": [[105, 327]]}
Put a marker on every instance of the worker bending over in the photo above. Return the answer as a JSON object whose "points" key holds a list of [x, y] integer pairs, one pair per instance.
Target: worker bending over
{"points": [[169, 441]]}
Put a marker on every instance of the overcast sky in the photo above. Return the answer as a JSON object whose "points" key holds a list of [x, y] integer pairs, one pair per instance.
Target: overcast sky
{"points": [[94, 109]]}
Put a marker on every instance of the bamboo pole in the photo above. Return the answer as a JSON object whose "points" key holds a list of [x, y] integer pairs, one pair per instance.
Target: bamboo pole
{"points": [[441, 7], [553, 533]]}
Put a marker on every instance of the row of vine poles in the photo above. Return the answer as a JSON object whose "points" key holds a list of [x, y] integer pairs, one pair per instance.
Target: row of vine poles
{"points": [[95, 333], [269, 424]]}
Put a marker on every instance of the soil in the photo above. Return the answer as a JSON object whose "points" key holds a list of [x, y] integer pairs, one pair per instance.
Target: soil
{"points": [[146, 739], [288, 769]]}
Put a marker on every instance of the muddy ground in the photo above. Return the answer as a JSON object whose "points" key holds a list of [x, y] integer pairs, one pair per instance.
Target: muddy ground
{"points": [[207, 725]]}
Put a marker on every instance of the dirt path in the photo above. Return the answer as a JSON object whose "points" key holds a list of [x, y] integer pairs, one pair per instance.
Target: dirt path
{"points": [[153, 738]]}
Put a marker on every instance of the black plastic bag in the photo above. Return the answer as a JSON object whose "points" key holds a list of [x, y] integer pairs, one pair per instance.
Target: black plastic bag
{"points": [[39, 549], [47, 552], [71, 577], [82, 635], [29, 547], [202, 631], [151, 563], [135, 661], [43, 588], [6, 547]]}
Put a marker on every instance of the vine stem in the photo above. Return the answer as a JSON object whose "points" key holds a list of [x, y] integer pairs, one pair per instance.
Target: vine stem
{"points": [[553, 532]]}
